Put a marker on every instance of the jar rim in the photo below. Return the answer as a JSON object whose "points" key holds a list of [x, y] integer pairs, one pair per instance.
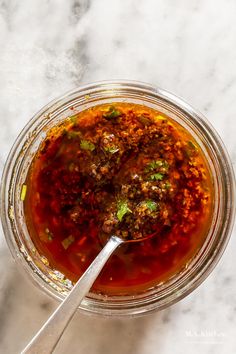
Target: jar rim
{"points": [[89, 94]]}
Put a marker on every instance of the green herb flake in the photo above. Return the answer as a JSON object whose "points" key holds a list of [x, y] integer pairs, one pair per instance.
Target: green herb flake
{"points": [[73, 119], [192, 145], [111, 149], [151, 205], [153, 165], [73, 135], [165, 164], [23, 192], [167, 185], [122, 209], [66, 282], [191, 150], [67, 241], [49, 234], [112, 113], [87, 145], [157, 177]]}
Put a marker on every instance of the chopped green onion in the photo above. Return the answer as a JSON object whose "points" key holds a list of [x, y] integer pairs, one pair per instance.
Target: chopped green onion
{"points": [[157, 177], [49, 234], [73, 135], [111, 149], [122, 209], [87, 145], [23, 192], [151, 205], [191, 149], [112, 113], [67, 241], [153, 165], [167, 185], [73, 119], [192, 145]]}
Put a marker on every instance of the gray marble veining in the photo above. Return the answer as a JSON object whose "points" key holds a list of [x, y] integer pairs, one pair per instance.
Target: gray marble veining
{"points": [[187, 47]]}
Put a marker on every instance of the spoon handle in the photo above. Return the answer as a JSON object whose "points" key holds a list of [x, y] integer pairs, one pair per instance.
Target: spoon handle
{"points": [[45, 341]]}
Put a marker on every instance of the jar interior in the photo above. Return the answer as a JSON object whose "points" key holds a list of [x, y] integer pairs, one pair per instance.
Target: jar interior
{"points": [[54, 282]]}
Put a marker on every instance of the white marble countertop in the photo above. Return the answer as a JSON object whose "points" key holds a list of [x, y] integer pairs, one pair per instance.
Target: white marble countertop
{"points": [[187, 47]]}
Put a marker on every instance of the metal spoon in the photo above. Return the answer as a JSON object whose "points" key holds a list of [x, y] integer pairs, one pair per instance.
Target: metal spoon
{"points": [[45, 341]]}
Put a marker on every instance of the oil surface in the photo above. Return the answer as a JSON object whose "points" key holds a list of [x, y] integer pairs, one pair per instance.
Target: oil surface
{"points": [[127, 170]]}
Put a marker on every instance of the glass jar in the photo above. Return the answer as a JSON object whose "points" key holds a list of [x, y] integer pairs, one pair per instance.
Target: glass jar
{"points": [[19, 160]]}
